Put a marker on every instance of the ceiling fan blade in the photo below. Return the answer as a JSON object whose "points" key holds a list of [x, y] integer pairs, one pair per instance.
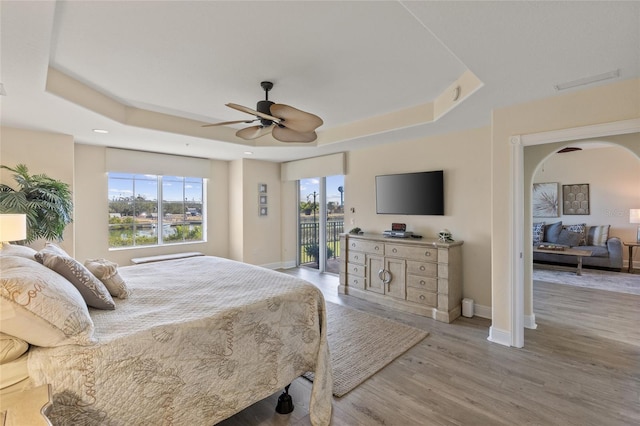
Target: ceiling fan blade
{"points": [[253, 112], [284, 134], [254, 132], [224, 123], [295, 119]]}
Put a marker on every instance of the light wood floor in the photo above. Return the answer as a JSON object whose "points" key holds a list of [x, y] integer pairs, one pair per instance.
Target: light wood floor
{"points": [[580, 367]]}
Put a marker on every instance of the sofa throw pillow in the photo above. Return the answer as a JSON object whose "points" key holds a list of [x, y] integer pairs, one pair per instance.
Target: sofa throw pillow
{"points": [[580, 228], [552, 232], [598, 235], [568, 238], [107, 272], [95, 294], [538, 232], [40, 306]]}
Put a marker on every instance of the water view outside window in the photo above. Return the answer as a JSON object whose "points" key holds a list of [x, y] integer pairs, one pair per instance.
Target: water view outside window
{"points": [[137, 218]]}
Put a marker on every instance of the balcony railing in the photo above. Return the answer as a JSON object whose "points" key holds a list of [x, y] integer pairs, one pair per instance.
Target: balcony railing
{"points": [[309, 238]]}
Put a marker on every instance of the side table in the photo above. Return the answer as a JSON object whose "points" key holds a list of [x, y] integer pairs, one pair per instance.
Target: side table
{"points": [[631, 245], [26, 407]]}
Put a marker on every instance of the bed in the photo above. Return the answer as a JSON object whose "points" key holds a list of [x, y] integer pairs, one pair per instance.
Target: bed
{"points": [[196, 341]]}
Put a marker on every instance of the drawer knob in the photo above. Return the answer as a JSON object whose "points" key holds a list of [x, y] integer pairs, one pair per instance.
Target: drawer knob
{"points": [[394, 250], [422, 297], [422, 282], [353, 244], [377, 248], [355, 269], [427, 253], [356, 257], [422, 268]]}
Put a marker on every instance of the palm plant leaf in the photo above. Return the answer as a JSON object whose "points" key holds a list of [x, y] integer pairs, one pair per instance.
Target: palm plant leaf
{"points": [[48, 203]]}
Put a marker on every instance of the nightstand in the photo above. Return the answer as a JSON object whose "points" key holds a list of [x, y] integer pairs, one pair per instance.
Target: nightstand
{"points": [[631, 245], [26, 407]]}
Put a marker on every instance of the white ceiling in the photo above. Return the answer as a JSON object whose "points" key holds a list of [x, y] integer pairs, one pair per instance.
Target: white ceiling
{"points": [[344, 61]]}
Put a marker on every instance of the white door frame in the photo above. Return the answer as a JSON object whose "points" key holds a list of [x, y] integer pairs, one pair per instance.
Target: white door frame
{"points": [[518, 142]]}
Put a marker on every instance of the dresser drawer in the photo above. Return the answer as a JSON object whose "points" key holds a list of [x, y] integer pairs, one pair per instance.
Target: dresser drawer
{"points": [[356, 257], [355, 269], [427, 284], [356, 282], [366, 246], [423, 297], [409, 252], [422, 269]]}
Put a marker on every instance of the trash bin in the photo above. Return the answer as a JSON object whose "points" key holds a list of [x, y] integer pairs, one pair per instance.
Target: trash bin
{"points": [[467, 307]]}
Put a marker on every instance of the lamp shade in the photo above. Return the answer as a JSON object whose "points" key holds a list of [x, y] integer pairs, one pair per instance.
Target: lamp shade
{"points": [[634, 216], [13, 227]]}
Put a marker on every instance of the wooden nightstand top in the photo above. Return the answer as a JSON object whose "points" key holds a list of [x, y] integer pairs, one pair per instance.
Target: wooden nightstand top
{"points": [[26, 407]]}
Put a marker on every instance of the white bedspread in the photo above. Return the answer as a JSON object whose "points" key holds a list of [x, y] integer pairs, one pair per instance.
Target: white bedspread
{"points": [[198, 340]]}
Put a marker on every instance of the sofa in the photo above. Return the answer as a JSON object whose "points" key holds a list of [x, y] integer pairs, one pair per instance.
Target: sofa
{"points": [[606, 250]]}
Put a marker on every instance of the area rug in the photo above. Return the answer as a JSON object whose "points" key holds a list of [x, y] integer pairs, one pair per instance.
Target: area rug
{"points": [[361, 344], [620, 282]]}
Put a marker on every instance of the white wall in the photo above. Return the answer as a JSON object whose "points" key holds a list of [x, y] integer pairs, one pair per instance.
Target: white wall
{"points": [[92, 236], [465, 159], [43, 153]]}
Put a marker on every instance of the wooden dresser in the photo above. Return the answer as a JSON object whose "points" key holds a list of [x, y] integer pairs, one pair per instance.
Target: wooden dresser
{"points": [[422, 276]]}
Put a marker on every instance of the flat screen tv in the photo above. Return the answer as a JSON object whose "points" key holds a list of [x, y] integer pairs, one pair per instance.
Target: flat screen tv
{"points": [[419, 193]]}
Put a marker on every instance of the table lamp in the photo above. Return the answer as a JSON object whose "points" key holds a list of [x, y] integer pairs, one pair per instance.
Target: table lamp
{"points": [[634, 217], [13, 227]]}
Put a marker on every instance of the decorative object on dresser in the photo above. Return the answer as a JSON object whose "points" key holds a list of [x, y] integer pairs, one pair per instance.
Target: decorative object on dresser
{"points": [[419, 276]]}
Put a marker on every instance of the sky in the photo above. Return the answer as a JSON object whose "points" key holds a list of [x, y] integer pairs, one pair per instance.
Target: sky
{"points": [[121, 185], [308, 186]]}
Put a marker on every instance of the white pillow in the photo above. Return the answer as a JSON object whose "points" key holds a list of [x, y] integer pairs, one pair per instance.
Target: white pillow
{"points": [[16, 250], [11, 348], [107, 272], [40, 306]]}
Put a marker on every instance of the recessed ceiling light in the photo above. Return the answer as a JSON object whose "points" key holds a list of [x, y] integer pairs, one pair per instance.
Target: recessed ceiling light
{"points": [[100, 131], [588, 80], [248, 152]]}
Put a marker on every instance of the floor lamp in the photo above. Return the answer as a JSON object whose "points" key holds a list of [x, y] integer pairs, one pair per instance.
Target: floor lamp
{"points": [[634, 217]]}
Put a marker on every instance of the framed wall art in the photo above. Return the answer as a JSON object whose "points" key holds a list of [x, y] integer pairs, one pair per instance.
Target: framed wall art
{"points": [[544, 199], [575, 199]]}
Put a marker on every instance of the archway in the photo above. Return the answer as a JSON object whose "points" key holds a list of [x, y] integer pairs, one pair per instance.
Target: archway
{"points": [[521, 222]]}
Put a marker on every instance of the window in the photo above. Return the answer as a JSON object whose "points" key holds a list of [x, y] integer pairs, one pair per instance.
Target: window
{"points": [[142, 205]]}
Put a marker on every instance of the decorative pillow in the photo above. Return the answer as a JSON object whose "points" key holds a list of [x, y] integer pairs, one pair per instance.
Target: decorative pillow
{"points": [[598, 235], [16, 250], [92, 290], [551, 232], [568, 238], [11, 348], [580, 228], [538, 232], [107, 272], [40, 306]]}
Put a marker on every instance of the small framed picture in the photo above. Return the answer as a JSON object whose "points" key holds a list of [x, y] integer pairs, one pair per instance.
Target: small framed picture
{"points": [[575, 199], [262, 199], [262, 188], [262, 211]]}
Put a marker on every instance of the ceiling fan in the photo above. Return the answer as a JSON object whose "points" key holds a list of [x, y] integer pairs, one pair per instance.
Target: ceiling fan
{"points": [[285, 123]]}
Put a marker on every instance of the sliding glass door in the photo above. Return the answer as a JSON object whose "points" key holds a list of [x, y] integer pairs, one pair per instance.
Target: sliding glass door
{"points": [[320, 222]]}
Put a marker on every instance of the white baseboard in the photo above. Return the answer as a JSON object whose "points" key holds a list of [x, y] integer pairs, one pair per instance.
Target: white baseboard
{"points": [[498, 336], [482, 311], [280, 265]]}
